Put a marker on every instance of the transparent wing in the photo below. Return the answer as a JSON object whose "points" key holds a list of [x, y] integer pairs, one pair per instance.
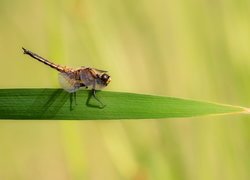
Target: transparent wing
{"points": [[68, 82], [98, 71]]}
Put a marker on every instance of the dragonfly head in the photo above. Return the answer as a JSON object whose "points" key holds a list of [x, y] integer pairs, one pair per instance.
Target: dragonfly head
{"points": [[105, 78]]}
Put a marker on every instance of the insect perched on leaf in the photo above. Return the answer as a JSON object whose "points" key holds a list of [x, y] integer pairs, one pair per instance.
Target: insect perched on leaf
{"points": [[72, 79]]}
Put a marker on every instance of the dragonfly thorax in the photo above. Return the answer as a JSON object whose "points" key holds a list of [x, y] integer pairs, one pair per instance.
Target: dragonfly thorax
{"points": [[88, 78]]}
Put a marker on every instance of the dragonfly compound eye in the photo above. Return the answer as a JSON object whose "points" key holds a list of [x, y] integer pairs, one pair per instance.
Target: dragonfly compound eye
{"points": [[105, 78]]}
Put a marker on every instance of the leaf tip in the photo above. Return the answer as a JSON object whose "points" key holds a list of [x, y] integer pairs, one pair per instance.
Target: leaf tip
{"points": [[246, 110]]}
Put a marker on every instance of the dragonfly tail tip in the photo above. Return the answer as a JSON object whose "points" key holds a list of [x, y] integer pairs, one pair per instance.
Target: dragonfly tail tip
{"points": [[24, 50]]}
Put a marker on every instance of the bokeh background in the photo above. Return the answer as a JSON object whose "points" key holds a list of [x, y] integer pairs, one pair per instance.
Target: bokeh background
{"points": [[197, 49]]}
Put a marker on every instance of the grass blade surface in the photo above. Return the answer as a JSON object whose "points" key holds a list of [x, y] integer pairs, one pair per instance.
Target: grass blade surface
{"points": [[60, 105]]}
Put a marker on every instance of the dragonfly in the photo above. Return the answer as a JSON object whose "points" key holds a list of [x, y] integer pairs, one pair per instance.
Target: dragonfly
{"points": [[73, 79]]}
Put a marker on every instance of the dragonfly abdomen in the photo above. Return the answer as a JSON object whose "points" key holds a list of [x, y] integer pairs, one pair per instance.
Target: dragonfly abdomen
{"points": [[41, 59]]}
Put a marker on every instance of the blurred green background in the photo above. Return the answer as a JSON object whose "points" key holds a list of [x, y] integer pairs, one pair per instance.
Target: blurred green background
{"points": [[195, 49]]}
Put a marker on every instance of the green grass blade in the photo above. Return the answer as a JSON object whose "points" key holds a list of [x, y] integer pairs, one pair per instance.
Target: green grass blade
{"points": [[58, 104]]}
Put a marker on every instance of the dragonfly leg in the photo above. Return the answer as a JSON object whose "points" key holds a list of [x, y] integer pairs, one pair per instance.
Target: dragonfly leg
{"points": [[94, 95], [74, 93]]}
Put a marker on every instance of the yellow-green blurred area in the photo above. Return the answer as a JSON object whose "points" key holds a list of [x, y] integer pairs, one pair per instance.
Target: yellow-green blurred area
{"points": [[198, 49]]}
